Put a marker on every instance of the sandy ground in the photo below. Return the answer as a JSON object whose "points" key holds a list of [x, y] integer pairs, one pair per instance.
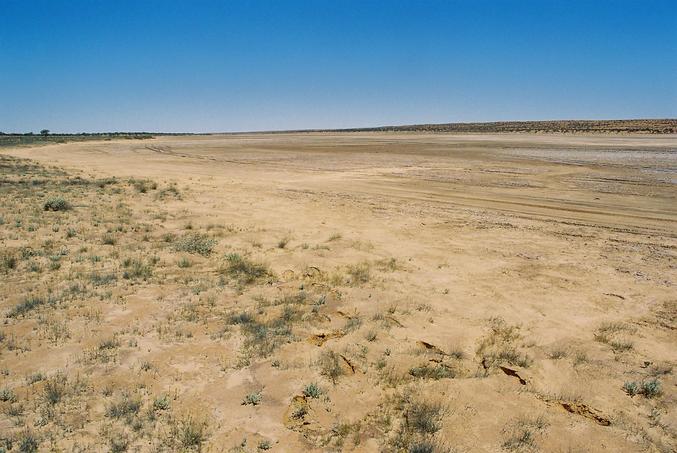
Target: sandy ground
{"points": [[540, 268]]}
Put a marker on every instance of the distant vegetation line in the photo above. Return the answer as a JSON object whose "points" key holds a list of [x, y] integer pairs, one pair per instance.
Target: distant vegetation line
{"points": [[635, 126]]}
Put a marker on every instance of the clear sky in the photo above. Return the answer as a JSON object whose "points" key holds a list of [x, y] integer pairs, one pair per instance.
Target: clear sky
{"points": [[197, 66]]}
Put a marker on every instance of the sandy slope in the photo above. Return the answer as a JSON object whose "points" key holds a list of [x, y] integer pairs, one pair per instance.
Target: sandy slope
{"points": [[555, 234]]}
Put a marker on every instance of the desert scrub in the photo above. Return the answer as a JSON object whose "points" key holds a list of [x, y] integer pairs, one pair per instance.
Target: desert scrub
{"points": [[521, 435], [124, 407], [253, 399], [421, 419], [649, 389], [143, 185], [312, 390], [7, 261], [437, 371], [612, 334], [244, 270], [499, 346], [358, 274], [330, 365], [187, 435], [262, 338], [27, 305], [195, 243], [135, 268], [7, 395], [56, 204]]}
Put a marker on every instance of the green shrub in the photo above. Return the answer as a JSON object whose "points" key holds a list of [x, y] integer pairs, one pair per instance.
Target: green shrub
{"points": [[312, 390], [195, 243], [253, 399], [28, 304], [435, 372], [244, 270], [56, 204]]}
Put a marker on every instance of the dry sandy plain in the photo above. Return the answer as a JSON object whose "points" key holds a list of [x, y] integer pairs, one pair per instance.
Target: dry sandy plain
{"points": [[340, 292]]}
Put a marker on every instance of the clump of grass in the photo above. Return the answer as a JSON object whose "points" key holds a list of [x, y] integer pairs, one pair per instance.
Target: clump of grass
{"points": [[282, 243], [500, 346], [161, 403], [243, 269], [143, 185], [108, 239], [253, 399], [190, 434], [124, 407], [55, 389], [421, 420], [7, 395], [195, 243], [330, 365], [438, 371], [102, 279], [29, 304], [359, 274], [56, 204], [649, 389], [262, 338], [312, 390], [612, 333], [136, 268], [34, 377], [184, 263], [27, 442], [8, 261], [521, 435]]}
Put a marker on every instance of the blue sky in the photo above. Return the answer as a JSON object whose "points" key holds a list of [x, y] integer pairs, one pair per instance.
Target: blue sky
{"points": [[198, 66]]}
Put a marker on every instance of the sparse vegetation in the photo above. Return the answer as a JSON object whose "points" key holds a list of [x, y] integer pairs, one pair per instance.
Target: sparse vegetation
{"points": [[56, 204], [253, 399], [244, 270], [195, 243], [649, 388]]}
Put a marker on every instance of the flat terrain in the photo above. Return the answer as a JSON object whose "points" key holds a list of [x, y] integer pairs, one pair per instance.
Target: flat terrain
{"points": [[340, 292]]}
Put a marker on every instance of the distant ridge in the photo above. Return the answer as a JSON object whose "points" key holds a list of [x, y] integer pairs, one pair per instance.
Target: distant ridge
{"points": [[637, 126]]}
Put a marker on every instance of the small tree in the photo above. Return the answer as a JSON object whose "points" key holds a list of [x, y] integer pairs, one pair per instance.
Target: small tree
{"points": [[44, 132]]}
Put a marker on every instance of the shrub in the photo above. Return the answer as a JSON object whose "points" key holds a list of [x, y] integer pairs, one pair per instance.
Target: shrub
{"points": [[243, 269], [124, 407], [28, 304], [8, 261], [651, 388], [109, 239], [631, 388], [56, 204], [282, 243], [195, 243], [28, 442], [330, 365], [253, 399], [137, 269], [190, 434], [436, 372], [55, 389], [423, 417], [7, 395], [359, 273], [312, 390]]}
